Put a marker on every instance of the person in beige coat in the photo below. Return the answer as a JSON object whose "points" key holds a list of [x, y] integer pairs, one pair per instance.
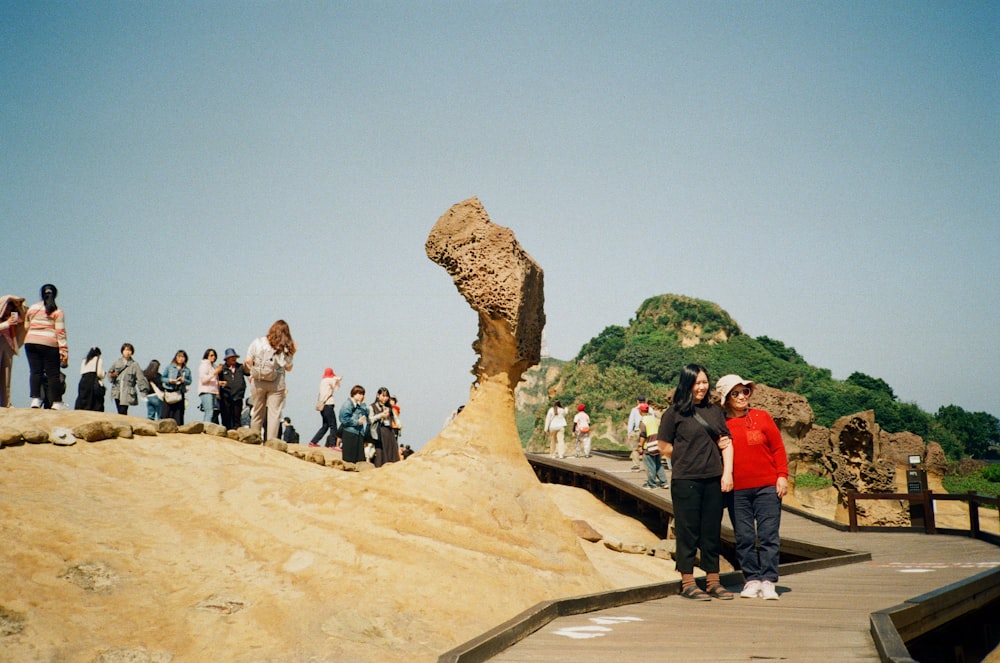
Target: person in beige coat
{"points": [[12, 333]]}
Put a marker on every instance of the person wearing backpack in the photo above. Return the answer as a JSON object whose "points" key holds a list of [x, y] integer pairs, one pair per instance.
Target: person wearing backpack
{"points": [[268, 359]]}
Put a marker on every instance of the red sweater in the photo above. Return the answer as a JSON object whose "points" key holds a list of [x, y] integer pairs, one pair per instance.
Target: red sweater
{"points": [[758, 453]]}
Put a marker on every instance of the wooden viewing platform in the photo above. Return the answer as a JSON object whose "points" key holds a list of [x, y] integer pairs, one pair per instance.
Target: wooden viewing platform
{"points": [[825, 612]]}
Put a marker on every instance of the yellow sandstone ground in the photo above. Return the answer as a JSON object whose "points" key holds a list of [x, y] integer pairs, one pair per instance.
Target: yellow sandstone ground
{"points": [[197, 548]]}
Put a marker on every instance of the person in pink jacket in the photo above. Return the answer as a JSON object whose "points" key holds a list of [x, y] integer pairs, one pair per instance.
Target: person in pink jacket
{"points": [[46, 347]]}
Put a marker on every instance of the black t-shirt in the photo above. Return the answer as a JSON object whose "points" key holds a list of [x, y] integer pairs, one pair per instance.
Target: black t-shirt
{"points": [[696, 454]]}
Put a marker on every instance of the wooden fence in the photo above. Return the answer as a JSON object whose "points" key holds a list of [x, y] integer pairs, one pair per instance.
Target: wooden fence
{"points": [[922, 509]]}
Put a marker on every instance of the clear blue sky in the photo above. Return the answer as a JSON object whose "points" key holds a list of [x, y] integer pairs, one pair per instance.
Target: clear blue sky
{"points": [[188, 172]]}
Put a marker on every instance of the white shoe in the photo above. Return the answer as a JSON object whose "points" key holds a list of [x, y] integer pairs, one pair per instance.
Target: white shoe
{"points": [[768, 591], [58, 405], [751, 590], [36, 403]]}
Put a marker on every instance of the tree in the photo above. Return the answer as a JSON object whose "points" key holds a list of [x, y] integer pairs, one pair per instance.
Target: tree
{"points": [[604, 348], [878, 385], [976, 431]]}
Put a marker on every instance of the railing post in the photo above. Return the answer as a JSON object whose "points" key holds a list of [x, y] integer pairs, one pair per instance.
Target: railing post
{"points": [[973, 515], [852, 510], [929, 525]]}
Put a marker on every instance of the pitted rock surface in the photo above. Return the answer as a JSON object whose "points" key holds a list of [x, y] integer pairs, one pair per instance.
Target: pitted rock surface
{"points": [[501, 282]]}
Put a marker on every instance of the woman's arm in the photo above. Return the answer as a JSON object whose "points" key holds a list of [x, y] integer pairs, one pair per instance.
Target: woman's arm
{"points": [[727, 468]]}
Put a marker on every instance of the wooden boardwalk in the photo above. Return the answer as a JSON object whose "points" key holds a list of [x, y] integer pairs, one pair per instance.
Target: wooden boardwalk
{"points": [[822, 615]]}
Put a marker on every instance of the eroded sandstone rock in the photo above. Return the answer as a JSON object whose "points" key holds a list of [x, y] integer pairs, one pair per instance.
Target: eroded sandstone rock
{"points": [[146, 429], [166, 426], [502, 284], [95, 431], [218, 430], [279, 445], [10, 436], [583, 530]]}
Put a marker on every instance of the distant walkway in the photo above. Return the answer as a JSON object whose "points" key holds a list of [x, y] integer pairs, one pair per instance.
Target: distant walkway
{"points": [[823, 615]]}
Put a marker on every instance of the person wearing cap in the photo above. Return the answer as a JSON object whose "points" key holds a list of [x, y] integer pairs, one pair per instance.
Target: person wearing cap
{"points": [[649, 448], [232, 389], [632, 431], [46, 348], [760, 480], [581, 430], [693, 431], [328, 385]]}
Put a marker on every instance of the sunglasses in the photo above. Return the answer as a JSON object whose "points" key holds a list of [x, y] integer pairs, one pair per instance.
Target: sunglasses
{"points": [[743, 391]]}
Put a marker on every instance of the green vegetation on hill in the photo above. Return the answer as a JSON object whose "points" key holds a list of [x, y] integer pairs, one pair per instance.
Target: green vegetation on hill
{"points": [[670, 331]]}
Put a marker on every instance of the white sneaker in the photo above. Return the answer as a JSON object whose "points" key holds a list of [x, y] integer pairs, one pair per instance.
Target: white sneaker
{"points": [[768, 591], [58, 405], [751, 590], [36, 403]]}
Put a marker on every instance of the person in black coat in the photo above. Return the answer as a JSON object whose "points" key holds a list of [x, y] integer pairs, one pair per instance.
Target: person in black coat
{"points": [[232, 389]]}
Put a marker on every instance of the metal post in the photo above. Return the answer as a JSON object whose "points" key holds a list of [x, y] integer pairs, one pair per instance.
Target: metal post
{"points": [[852, 511]]}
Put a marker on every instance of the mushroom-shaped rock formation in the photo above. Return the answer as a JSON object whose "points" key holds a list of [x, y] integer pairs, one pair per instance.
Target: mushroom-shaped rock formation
{"points": [[504, 286]]}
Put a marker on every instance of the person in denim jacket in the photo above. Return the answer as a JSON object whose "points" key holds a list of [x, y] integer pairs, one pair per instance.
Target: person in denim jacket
{"points": [[354, 425], [176, 378]]}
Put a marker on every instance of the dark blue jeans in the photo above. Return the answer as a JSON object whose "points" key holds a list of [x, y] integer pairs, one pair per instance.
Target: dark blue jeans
{"points": [[329, 415], [756, 516]]}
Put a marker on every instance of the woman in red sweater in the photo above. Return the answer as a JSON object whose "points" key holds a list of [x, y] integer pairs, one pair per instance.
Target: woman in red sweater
{"points": [[760, 480]]}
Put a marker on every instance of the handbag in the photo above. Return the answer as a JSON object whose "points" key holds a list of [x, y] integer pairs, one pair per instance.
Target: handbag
{"points": [[320, 404], [171, 397]]}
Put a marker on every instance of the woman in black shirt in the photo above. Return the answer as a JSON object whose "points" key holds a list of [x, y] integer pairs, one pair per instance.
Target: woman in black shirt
{"points": [[694, 431]]}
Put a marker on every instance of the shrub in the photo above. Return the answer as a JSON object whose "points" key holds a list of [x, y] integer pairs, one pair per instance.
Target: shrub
{"points": [[992, 473], [810, 481], [977, 481]]}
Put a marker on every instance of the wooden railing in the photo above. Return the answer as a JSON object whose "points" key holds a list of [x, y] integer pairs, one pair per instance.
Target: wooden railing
{"points": [[922, 506]]}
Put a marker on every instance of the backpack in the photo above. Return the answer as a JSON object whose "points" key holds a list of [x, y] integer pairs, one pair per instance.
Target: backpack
{"points": [[265, 365]]}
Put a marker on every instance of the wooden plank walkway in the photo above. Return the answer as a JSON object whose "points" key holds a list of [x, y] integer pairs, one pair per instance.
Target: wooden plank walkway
{"points": [[822, 615]]}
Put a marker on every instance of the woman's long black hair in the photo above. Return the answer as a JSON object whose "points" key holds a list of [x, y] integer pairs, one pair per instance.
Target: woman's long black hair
{"points": [[152, 371], [49, 293], [684, 396], [94, 352]]}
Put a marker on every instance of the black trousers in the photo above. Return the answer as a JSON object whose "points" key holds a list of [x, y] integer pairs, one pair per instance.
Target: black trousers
{"points": [[329, 415], [229, 410], [698, 508], [43, 362]]}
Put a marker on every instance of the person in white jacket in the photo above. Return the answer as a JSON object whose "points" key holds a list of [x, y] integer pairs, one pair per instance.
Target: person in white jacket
{"points": [[325, 404], [555, 429]]}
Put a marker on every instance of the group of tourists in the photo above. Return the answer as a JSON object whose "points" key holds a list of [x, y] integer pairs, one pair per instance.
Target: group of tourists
{"points": [[362, 431], [555, 430], [722, 458]]}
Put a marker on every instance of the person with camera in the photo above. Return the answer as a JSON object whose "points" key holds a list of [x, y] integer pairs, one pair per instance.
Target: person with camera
{"points": [[11, 339], [268, 359]]}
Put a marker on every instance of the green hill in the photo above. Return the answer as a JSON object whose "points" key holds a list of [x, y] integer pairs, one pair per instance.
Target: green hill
{"points": [[669, 331]]}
